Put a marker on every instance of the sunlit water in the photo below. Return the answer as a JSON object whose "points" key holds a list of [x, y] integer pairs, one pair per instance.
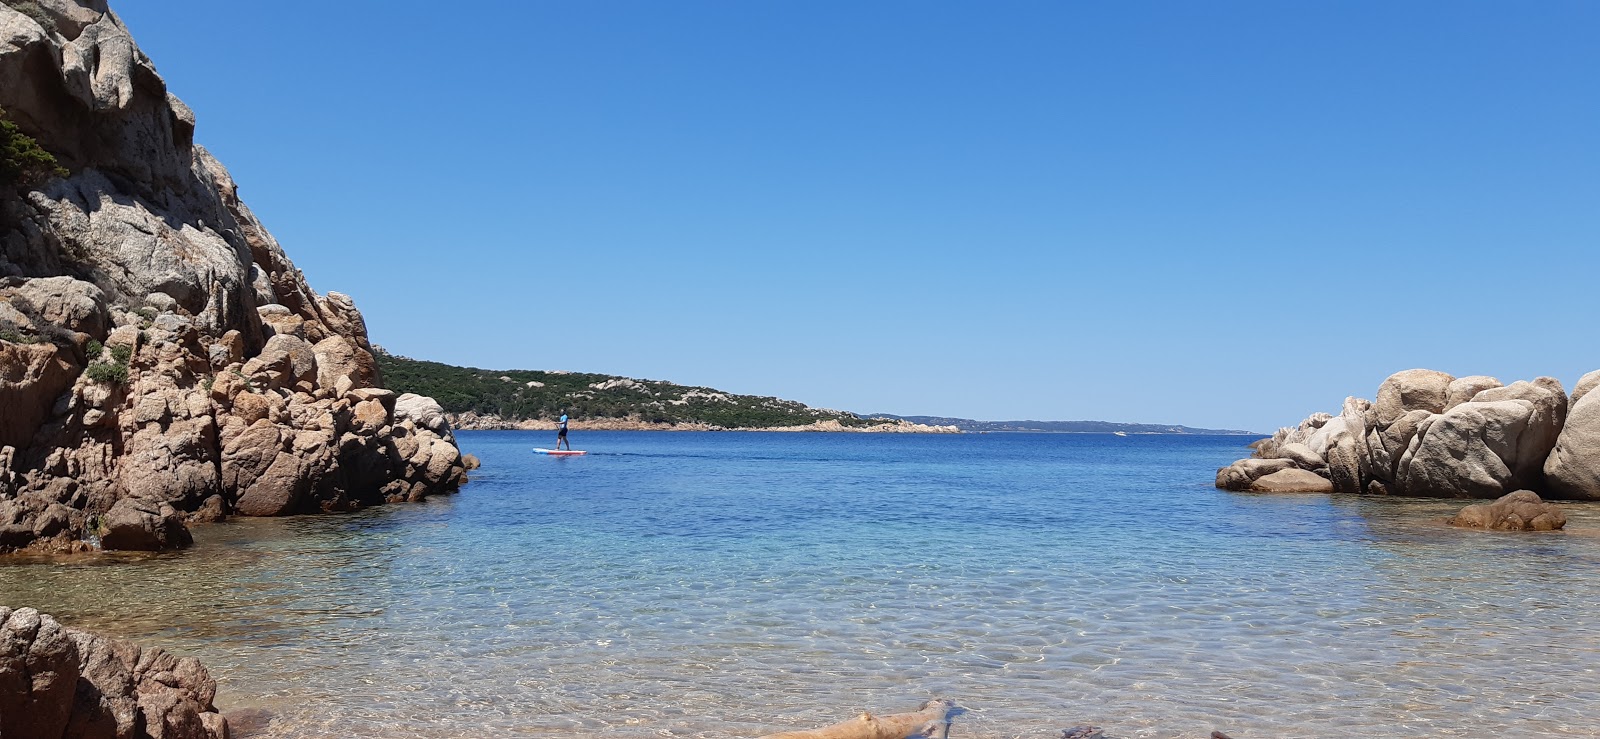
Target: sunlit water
{"points": [[734, 584]]}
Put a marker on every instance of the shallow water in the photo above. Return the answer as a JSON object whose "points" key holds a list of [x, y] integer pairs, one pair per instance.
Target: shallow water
{"points": [[730, 584]]}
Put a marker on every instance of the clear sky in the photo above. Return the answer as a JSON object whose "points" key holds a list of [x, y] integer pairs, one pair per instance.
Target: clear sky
{"points": [[1226, 214]]}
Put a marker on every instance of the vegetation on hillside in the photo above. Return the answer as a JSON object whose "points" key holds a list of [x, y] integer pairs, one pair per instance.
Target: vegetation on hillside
{"points": [[23, 163], [533, 394]]}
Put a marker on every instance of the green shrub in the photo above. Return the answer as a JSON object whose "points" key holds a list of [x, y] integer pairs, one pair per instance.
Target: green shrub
{"points": [[94, 348], [121, 353], [108, 373], [23, 163]]}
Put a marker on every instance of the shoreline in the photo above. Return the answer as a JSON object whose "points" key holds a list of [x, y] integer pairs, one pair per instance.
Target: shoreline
{"points": [[475, 422]]}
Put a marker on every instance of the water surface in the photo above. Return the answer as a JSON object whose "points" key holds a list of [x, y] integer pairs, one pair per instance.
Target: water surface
{"points": [[731, 584]]}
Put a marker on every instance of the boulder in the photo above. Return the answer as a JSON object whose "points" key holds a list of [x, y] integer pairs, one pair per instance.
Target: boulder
{"points": [[1585, 384], [32, 378], [1300, 454], [424, 411], [1387, 445], [142, 525], [278, 491], [1522, 510], [286, 361], [65, 302], [1346, 452], [1544, 424], [58, 682], [1412, 390], [38, 674], [1463, 389], [340, 358], [1469, 452], [174, 463], [1292, 480], [1572, 470], [1240, 474]]}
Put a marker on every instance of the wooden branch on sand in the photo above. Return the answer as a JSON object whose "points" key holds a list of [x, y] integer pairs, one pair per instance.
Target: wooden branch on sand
{"points": [[931, 721]]}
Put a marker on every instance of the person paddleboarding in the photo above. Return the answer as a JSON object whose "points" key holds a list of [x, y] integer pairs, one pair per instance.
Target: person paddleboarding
{"points": [[561, 434]]}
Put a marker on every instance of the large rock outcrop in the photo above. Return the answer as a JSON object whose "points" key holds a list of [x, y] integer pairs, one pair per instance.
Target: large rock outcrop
{"points": [[1434, 435], [159, 353], [62, 683]]}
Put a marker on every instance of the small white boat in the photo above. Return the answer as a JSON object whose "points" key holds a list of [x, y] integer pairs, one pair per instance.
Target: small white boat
{"points": [[1119, 433]]}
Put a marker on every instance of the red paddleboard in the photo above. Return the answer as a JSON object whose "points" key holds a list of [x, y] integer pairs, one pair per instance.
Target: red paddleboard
{"points": [[559, 453]]}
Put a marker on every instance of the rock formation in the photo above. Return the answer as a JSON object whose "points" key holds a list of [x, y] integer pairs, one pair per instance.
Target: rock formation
{"points": [[1433, 435], [160, 356], [57, 682], [1523, 510]]}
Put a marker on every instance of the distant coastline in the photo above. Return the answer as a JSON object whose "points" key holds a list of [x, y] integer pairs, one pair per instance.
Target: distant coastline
{"points": [[476, 422], [1065, 427]]}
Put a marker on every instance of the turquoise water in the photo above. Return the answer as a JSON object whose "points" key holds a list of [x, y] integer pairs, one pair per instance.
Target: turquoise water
{"points": [[731, 584]]}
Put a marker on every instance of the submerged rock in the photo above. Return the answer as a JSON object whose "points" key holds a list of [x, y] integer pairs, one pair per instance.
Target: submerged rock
{"points": [[1523, 510]]}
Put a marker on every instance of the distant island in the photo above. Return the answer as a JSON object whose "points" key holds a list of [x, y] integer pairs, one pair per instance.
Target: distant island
{"points": [[1064, 427]]}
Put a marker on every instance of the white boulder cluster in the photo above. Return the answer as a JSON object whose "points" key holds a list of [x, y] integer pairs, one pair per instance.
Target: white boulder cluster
{"points": [[1430, 434]]}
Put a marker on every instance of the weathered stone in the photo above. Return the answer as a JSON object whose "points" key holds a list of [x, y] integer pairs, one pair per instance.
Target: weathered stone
{"points": [[175, 464], [1469, 452], [1411, 390], [65, 302], [32, 378], [38, 674], [147, 245], [1572, 470], [422, 410], [339, 358], [1300, 454], [211, 510], [1386, 446], [1586, 383], [1463, 389], [1522, 510], [1240, 474], [1544, 425], [143, 525], [1291, 480]]}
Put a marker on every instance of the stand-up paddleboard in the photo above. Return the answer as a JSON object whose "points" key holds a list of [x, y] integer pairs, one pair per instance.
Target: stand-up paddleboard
{"points": [[559, 452]]}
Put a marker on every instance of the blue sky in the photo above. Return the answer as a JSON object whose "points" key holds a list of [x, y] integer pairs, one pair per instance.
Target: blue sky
{"points": [[1226, 214]]}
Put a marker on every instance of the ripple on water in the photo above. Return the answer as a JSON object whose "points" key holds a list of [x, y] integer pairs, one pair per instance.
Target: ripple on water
{"points": [[728, 585]]}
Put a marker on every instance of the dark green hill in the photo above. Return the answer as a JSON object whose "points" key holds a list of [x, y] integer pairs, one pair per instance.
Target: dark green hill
{"points": [[516, 395]]}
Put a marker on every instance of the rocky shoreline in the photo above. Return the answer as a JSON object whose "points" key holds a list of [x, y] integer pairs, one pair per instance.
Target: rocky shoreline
{"points": [[161, 358], [477, 422], [1430, 434], [62, 683]]}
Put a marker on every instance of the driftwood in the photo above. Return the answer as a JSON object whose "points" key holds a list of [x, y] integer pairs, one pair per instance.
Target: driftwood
{"points": [[932, 721]]}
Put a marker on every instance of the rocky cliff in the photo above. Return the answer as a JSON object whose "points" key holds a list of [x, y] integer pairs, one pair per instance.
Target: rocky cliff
{"points": [[160, 356], [1434, 435]]}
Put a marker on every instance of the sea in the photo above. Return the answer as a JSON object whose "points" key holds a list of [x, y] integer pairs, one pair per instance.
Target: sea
{"points": [[735, 584]]}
